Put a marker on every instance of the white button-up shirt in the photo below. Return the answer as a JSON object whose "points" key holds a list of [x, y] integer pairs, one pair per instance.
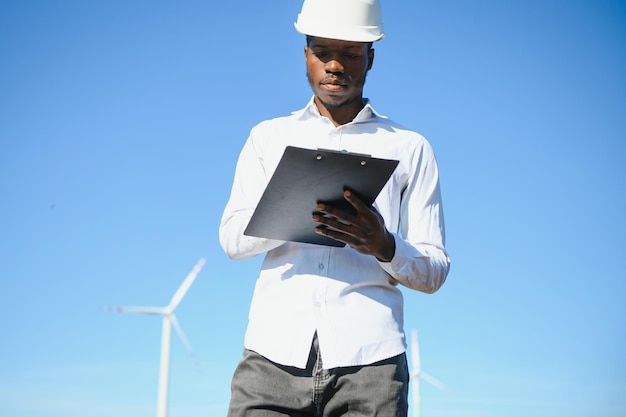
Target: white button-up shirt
{"points": [[343, 295]]}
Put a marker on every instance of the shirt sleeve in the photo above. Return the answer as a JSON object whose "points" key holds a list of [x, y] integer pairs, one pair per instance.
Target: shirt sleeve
{"points": [[420, 261], [248, 186]]}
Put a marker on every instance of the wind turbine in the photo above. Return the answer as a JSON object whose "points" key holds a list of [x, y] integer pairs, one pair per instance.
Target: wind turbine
{"points": [[169, 320], [417, 374]]}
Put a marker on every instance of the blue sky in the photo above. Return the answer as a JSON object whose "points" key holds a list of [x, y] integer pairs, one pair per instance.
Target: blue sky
{"points": [[120, 124]]}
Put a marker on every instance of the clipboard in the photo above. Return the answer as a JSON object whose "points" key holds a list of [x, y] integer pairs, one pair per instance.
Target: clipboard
{"points": [[306, 177]]}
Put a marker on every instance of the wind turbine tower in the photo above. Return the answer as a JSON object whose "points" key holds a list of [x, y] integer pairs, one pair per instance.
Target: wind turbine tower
{"points": [[169, 320], [417, 374]]}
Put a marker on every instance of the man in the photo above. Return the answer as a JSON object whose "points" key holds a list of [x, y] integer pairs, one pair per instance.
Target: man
{"points": [[325, 334]]}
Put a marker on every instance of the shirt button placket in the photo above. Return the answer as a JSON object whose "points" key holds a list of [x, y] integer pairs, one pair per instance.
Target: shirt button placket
{"points": [[320, 293], [334, 137]]}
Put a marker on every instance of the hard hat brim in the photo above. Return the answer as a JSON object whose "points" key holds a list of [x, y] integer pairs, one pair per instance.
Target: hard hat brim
{"points": [[362, 34]]}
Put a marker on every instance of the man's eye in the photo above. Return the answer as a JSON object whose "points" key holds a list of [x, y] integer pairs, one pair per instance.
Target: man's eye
{"points": [[353, 57], [321, 54]]}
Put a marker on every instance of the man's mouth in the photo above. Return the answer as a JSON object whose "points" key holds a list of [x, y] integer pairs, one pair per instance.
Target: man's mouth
{"points": [[334, 85]]}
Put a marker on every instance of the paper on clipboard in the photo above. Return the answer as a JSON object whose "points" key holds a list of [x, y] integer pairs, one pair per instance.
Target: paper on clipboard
{"points": [[305, 177]]}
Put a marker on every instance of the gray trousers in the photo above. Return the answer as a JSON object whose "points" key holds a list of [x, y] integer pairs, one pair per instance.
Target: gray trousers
{"points": [[262, 388]]}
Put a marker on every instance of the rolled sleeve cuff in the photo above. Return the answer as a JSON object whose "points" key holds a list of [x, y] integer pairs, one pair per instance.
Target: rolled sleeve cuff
{"points": [[414, 268]]}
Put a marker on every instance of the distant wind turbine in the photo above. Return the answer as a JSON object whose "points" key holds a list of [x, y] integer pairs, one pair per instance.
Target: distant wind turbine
{"points": [[417, 374], [169, 319]]}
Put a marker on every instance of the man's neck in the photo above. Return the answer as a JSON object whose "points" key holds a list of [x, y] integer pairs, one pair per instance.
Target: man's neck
{"points": [[340, 115]]}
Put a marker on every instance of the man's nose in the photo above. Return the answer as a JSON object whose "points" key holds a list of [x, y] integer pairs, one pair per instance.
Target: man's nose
{"points": [[334, 66]]}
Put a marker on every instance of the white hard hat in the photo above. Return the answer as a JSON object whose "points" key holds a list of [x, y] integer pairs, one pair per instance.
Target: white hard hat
{"points": [[348, 20]]}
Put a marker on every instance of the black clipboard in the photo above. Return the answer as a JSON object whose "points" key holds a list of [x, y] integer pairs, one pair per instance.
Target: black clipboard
{"points": [[305, 177]]}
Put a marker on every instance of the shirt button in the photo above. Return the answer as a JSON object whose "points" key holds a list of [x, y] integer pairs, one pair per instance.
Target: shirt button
{"points": [[321, 266]]}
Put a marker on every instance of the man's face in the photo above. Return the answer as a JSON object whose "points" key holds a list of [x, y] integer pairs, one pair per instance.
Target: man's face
{"points": [[336, 70]]}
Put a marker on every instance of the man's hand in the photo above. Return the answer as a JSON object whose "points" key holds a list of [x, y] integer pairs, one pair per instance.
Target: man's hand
{"points": [[364, 231]]}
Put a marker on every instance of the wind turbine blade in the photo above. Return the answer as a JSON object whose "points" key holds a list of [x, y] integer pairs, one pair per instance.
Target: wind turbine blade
{"points": [[183, 337], [136, 310], [434, 382], [182, 290]]}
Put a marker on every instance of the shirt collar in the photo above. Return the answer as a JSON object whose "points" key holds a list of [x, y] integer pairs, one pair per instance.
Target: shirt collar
{"points": [[366, 114]]}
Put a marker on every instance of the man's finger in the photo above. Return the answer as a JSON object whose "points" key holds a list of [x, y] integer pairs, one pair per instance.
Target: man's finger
{"points": [[356, 202]]}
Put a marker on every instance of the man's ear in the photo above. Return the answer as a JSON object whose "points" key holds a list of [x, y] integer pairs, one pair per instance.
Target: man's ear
{"points": [[370, 55], [306, 49]]}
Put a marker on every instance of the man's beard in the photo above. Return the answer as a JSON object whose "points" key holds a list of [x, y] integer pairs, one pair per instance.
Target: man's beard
{"points": [[335, 105]]}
